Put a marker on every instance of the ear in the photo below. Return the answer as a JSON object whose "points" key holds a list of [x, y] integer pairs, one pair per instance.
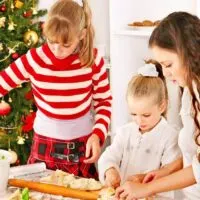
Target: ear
{"points": [[83, 34], [163, 106]]}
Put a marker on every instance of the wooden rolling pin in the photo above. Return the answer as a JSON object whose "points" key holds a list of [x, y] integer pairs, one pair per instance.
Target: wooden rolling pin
{"points": [[54, 189]]}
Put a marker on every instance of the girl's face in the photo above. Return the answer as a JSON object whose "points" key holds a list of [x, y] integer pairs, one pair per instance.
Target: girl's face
{"points": [[62, 51], [171, 65], [145, 112]]}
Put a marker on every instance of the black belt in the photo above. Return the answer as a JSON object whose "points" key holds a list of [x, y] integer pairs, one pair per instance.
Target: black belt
{"points": [[74, 157]]}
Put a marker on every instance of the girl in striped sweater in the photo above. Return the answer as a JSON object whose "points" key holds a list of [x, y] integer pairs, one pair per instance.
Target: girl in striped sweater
{"points": [[68, 79]]}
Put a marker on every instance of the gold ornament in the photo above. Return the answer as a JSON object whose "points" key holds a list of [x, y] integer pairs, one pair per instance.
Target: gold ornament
{"points": [[35, 12], [1, 47], [11, 26], [12, 6], [14, 156], [2, 22], [20, 140], [31, 38], [18, 4]]}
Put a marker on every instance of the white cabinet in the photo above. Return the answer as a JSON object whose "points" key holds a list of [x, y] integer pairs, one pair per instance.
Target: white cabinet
{"points": [[129, 48]]}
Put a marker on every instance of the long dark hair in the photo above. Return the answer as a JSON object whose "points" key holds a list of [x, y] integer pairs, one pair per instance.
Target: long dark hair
{"points": [[180, 32]]}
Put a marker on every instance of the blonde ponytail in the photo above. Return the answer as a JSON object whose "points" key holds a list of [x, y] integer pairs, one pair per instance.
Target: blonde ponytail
{"points": [[87, 51]]}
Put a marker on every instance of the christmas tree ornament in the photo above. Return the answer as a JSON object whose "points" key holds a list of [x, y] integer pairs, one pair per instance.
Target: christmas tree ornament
{"points": [[2, 22], [31, 38], [28, 13], [18, 4], [14, 156], [10, 100], [34, 11], [1, 46], [20, 140], [15, 56], [11, 26], [11, 50], [4, 108], [12, 7], [3, 8]]}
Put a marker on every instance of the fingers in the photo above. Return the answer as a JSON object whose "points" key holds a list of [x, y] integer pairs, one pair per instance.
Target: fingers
{"points": [[112, 183], [123, 195], [118, 191], [91, 149], [148, 178], [88, 149]]}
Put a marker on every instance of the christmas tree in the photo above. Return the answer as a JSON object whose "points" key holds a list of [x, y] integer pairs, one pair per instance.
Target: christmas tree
{"points": [[20, 30]]}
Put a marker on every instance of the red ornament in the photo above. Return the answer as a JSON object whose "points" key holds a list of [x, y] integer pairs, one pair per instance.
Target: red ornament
{"points": [[28, 13], [3, 8], [4, 108], [28, 122], [15, 56]]}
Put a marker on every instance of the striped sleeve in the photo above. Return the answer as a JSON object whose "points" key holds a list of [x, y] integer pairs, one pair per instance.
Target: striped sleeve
{"points": [[102, 99], [12, 76]]}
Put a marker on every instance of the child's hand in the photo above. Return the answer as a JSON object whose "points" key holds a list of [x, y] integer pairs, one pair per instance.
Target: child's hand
{"points": [[93, 149], [112, 178], [131, 191], [156, 174]]}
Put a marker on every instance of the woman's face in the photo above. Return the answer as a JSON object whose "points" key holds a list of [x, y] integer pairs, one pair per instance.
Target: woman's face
{"points": [[171, 65]]}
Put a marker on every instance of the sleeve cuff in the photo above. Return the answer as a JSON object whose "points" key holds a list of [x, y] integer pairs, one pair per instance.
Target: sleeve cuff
{"points": [[101, 135], [196, 169]]}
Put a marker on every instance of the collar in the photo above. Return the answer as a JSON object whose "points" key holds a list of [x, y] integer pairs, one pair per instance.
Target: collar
{"points": [[60, 63]]}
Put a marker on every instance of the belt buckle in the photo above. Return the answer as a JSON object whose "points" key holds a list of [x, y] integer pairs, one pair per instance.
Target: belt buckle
{"points": [[71, 145], [73, 158]]}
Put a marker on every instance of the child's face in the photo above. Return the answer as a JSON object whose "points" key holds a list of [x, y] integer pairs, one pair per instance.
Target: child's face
{"points": [[171, 65], [62, 51], [145, 112]]}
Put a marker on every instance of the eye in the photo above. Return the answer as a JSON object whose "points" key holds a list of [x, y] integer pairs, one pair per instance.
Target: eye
{"points": [[168, 66], [66, 45], [50, 41], [133, 114], [147, 115]]}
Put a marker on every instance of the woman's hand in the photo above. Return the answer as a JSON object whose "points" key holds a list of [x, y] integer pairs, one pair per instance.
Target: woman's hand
{"points": [[93, 149], [112, 178], [156, 174], [132, 191], [137, 178]]}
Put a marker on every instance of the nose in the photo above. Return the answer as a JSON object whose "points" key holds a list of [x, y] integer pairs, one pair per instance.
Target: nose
{"points": [[56, 49], [139, 120], [166, 72]]}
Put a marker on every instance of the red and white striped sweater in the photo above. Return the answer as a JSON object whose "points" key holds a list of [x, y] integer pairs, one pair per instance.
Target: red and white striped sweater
{"points": [[62, 88]]}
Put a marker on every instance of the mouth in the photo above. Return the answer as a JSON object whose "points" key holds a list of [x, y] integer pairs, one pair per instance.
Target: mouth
{"points": [[60, 57], [142, 126]]}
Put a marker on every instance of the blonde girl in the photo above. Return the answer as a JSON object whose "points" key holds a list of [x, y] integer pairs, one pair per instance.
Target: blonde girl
{"points": [[148, 142]]}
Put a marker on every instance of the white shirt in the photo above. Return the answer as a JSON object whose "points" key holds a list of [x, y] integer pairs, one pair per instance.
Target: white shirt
{"points": [[188, 145], [63, 129], [132, 152]]}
